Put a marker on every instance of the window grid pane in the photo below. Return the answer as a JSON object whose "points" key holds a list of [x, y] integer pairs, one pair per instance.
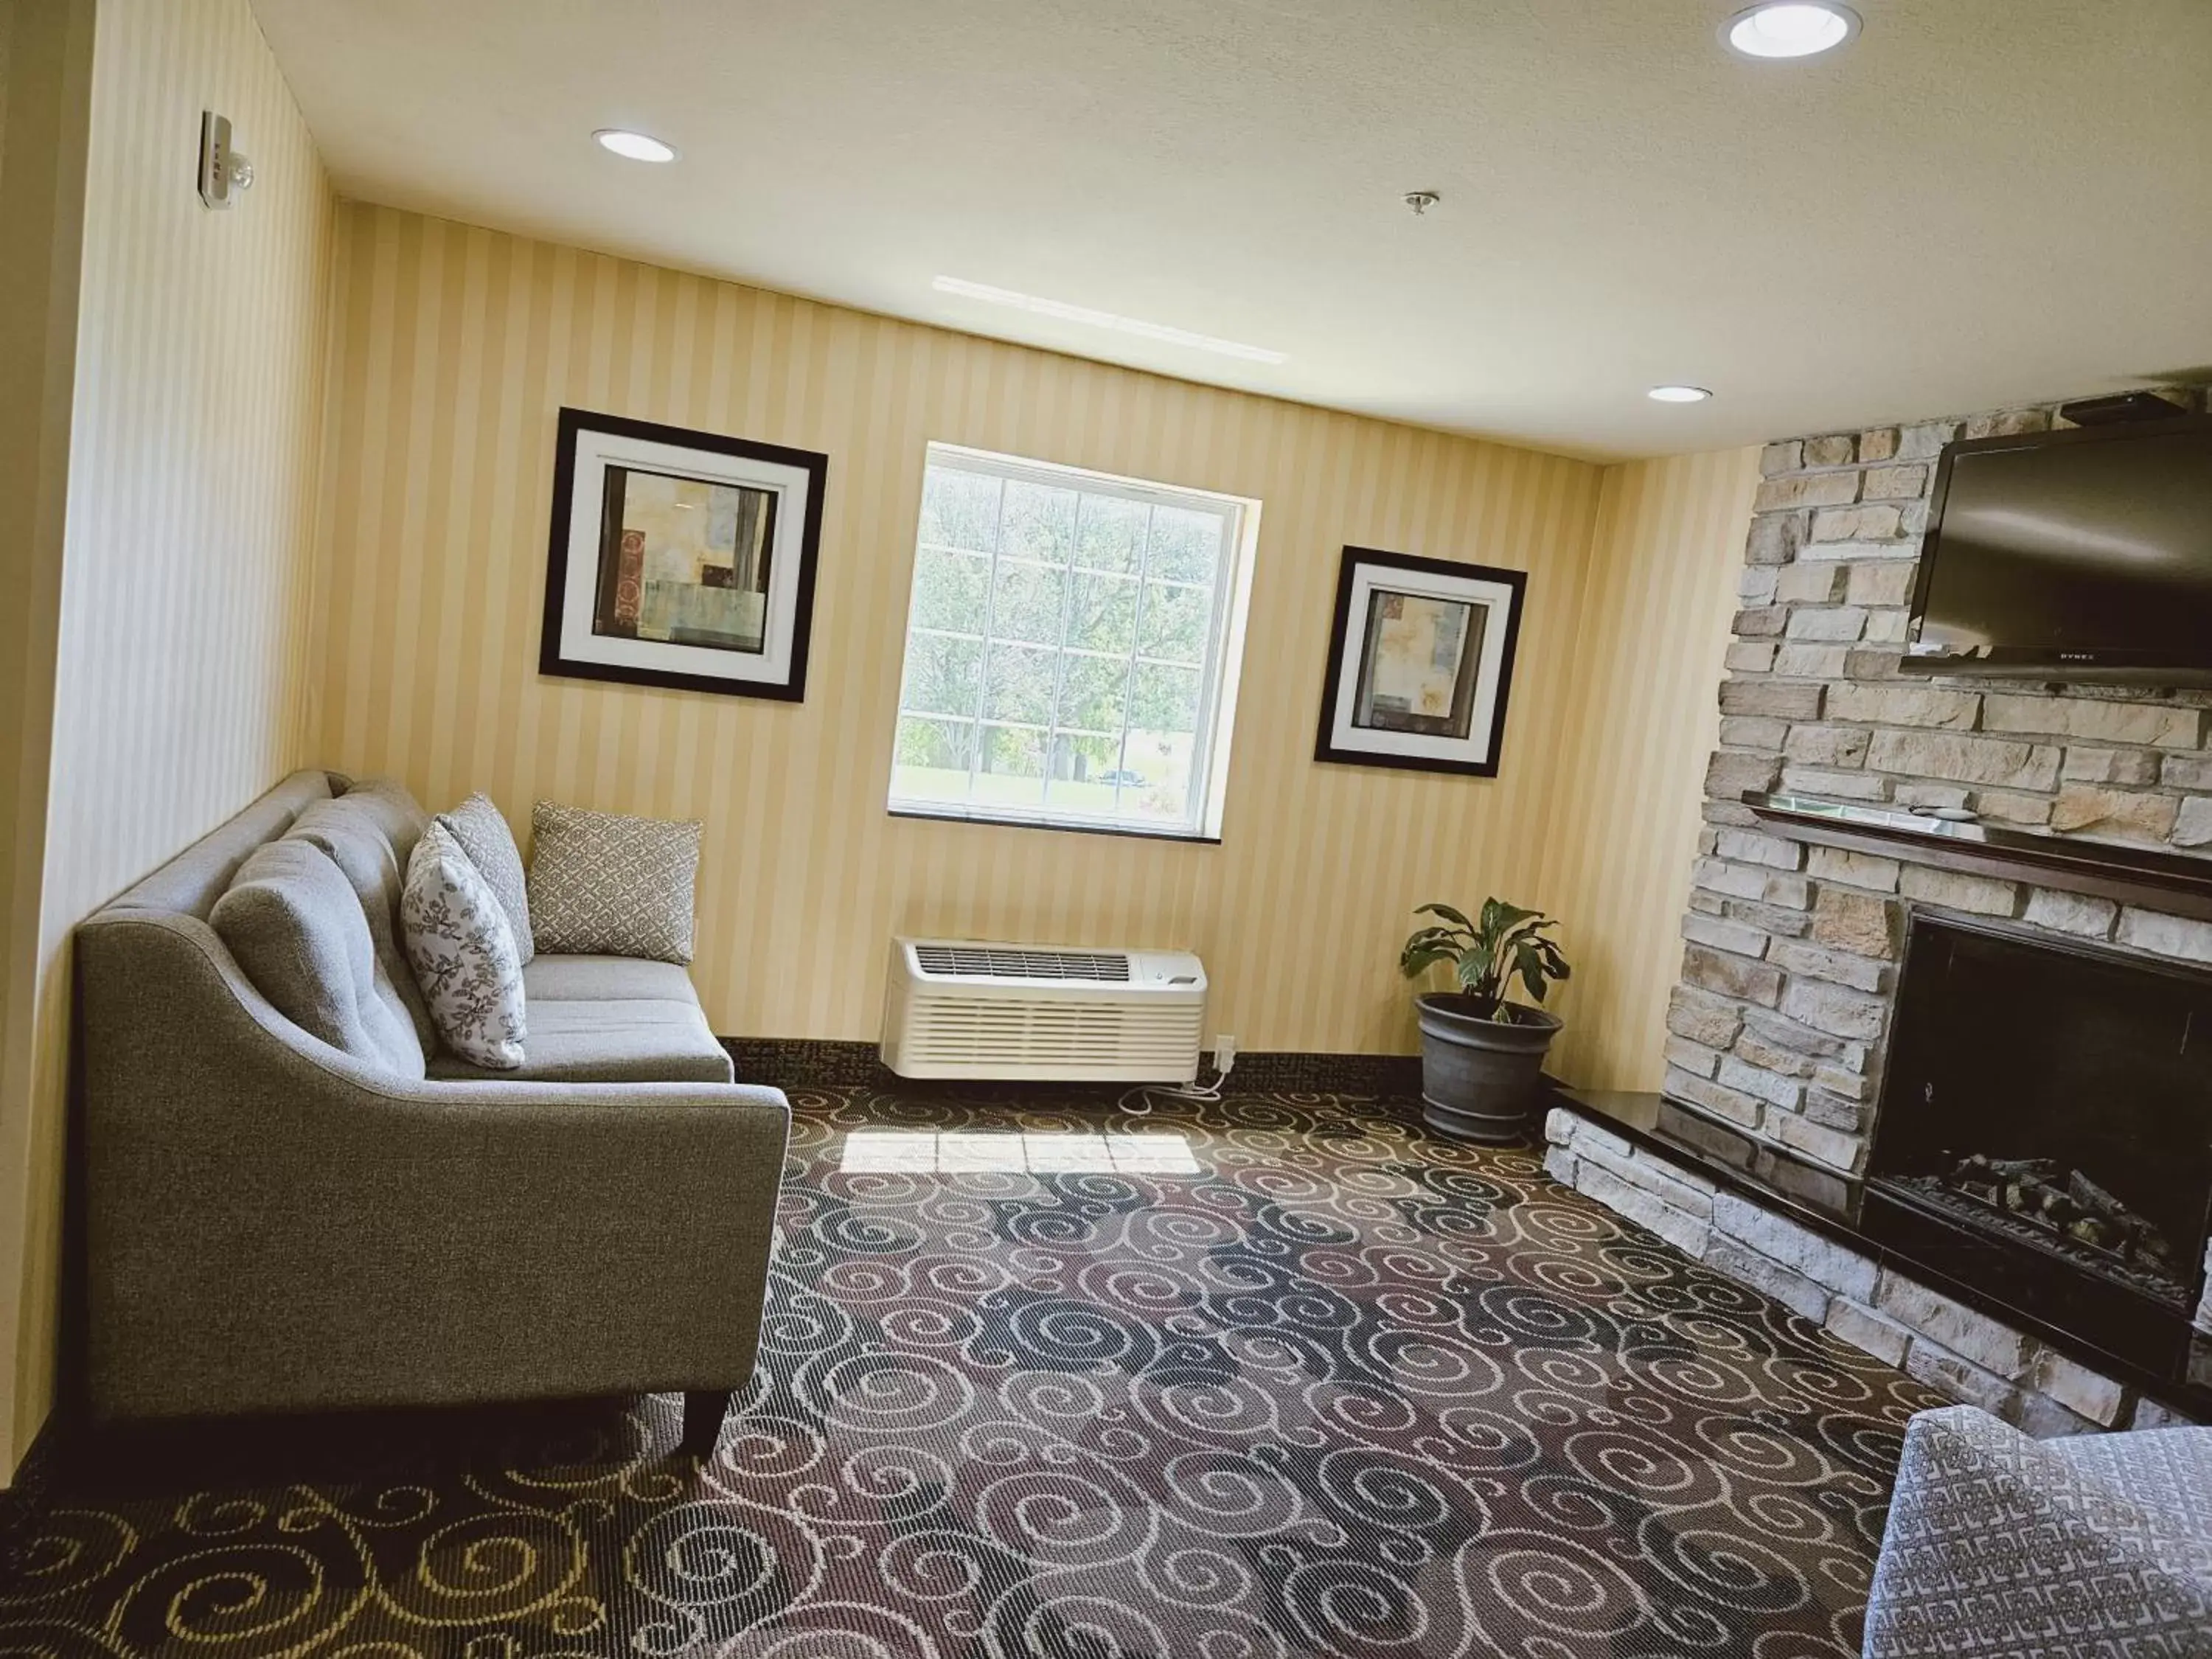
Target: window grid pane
{"points": [[1103, 611], [990, 598]]}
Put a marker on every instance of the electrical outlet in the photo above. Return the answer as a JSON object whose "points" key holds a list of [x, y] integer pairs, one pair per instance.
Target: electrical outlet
{"points": [[1225, 1053]]}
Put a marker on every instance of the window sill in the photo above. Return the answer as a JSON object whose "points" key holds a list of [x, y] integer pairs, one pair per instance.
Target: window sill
{"points": [[1188, 837]]}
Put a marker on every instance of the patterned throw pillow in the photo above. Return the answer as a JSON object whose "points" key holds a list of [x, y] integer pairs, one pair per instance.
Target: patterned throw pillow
{"points": [[483, 835], [604, 884], [463, 953]]}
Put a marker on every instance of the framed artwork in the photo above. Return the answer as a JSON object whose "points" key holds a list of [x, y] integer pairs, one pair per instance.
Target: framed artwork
{"points": [[1419, 662], [681, 559]]}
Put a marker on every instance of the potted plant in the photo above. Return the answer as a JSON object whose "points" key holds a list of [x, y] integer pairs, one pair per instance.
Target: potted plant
{"points": [[1481, 1055]]}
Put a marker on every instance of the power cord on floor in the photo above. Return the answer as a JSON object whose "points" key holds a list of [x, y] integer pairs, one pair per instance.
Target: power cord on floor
{"points": [[1140, 1100]]}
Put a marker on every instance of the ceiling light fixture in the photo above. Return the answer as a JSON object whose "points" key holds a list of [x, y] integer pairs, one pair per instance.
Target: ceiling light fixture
{"points": [[634, 146], [1092, 317], [1678, 394], [1790, 28]]}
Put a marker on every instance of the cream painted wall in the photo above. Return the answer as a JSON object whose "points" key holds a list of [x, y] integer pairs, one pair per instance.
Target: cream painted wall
{"points": [[1652, 634], [455, 348], [179, 688]]}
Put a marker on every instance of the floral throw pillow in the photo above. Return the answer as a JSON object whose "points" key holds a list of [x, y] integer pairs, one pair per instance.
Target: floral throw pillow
{"points": [[462, 949]]}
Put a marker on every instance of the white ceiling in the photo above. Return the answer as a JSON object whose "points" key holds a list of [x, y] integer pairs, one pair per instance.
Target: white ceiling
{"points": [[1978, 202]]}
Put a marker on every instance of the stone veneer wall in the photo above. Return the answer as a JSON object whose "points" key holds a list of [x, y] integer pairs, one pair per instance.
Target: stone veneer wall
{"points": [[1780, 1020]]}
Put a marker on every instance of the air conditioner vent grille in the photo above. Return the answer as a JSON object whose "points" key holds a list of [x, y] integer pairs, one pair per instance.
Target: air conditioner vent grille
{"points": [[1003, 962]]}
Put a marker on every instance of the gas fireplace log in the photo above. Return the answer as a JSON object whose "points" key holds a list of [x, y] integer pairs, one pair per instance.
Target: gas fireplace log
{"points": [[2090, 1196], [2036, 1169], [2066, 1201]]}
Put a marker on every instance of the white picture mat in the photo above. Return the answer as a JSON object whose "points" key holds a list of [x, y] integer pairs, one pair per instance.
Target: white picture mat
{"points": [[1496, 597], [595, 452]]}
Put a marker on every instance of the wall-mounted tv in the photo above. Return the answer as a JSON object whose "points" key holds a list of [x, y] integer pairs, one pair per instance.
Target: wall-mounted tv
{"points": [[2084, 555]]}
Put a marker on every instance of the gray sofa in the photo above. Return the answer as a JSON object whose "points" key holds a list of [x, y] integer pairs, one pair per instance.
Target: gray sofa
{"points": [[2093, 1547], [275, 1224]]}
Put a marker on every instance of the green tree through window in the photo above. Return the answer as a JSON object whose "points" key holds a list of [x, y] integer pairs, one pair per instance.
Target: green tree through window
{"points": [[1066, 645]]}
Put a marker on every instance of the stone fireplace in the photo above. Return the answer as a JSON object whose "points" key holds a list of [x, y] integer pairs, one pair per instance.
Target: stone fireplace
{"points": [[1841, 968], [2047, 1126]]}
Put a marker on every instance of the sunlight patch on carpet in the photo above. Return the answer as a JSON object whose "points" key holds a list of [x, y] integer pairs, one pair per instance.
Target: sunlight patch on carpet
{"points": [[1036, 1151]]}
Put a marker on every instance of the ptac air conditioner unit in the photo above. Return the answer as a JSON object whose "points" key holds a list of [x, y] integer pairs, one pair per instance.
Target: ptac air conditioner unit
{"points": [[959, 1008]]}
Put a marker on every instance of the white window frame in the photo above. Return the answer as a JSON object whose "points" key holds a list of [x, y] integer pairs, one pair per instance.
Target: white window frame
{"points": [[1220, 671]]}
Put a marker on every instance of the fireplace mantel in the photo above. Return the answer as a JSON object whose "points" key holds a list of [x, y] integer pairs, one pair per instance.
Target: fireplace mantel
{"points": [[2177, 884]]}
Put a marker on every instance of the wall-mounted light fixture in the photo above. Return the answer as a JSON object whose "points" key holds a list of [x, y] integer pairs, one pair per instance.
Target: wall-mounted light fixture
{"points": [[224, 174]]}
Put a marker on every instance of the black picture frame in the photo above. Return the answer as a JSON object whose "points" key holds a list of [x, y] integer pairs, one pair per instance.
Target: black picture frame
{"points": [[553, 660], [1328, 742]]}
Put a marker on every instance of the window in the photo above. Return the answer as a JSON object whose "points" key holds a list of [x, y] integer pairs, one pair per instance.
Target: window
{"points": [[1071, 647]]}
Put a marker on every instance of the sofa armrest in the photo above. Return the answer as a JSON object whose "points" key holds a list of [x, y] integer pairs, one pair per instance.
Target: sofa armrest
{"points": [[272, 1225]]}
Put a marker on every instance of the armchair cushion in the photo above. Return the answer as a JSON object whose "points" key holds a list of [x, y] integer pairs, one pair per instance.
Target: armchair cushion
{"points": [[296, 926], [1998, 1544]]}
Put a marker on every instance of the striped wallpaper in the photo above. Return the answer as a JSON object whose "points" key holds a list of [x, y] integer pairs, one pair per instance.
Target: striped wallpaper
{"points": [[1654, 631], [455, 348], [181, 689], [308, 469], [44, 133]]}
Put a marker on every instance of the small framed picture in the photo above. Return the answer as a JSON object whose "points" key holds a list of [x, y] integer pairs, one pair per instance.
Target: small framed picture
{"points": [[1419, 661], [681, 559]]}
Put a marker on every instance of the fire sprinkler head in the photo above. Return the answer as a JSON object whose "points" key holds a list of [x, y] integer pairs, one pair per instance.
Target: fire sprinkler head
{"points": [[1421, 200]]}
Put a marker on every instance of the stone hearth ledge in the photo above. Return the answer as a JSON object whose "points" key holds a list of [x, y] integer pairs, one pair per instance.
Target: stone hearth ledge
{"points": [[1857, 1297]]}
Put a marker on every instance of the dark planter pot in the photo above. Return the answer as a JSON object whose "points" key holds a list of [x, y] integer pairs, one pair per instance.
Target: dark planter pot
{"points": [[1480, 1077]]}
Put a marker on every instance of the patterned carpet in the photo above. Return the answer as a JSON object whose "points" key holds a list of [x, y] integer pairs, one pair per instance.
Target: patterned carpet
{"points": [[1347, 1391]]}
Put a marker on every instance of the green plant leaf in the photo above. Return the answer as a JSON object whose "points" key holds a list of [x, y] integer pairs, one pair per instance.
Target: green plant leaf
{"points": [[1504, 916], [1447, 913], [1436, 935], [1529, 965], [1504, 943], [1414, 964]]}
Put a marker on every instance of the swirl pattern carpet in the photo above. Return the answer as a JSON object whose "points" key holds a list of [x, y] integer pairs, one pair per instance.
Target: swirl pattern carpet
{"points": [[1348, 1390]]}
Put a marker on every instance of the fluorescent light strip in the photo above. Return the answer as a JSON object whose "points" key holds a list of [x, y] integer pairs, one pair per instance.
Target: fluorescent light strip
{"points": [[1093, 318]]}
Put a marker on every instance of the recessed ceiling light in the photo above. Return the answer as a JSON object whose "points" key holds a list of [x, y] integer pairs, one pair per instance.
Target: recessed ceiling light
{"points": [[1678, 394], [1790, 28], [634, 146], [1096, 319]]}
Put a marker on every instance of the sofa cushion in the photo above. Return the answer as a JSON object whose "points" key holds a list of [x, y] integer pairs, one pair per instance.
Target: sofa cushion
{"points": [[628, 1040], [463, 953], [396, 812], [483, 833], [351, 834], [296, 928], [606, 883], [554, 978], [190, 884]]}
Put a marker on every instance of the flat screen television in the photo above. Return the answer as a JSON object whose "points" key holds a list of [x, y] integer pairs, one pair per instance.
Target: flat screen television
{"points": [[2084, 555]]}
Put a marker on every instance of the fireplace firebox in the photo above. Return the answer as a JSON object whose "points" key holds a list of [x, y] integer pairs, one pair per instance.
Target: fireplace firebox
{"points": [[2045, 1130]]}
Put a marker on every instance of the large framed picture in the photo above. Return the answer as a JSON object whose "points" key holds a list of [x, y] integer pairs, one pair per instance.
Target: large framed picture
{"points": [[681, 559], [1419, 662]]}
